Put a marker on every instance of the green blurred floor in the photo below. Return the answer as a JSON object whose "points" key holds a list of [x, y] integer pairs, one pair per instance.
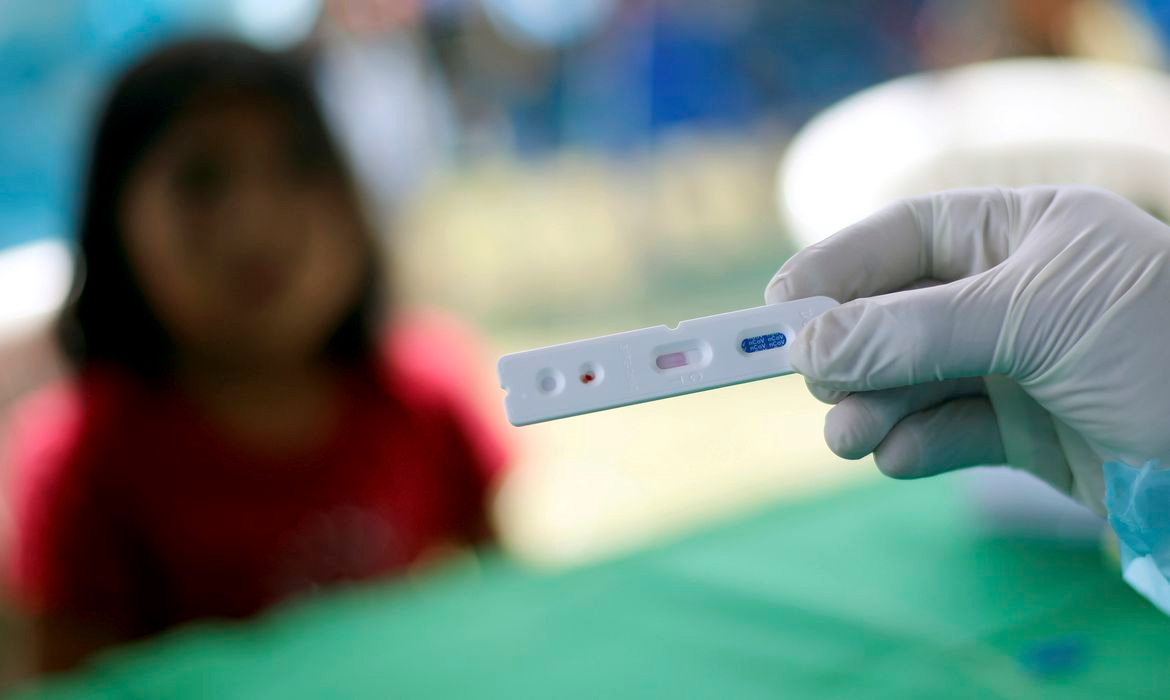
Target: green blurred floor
{"points": [[878, 591]]}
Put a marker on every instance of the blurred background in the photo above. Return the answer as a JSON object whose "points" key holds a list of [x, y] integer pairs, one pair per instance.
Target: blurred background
{"points": [[549, 170]]}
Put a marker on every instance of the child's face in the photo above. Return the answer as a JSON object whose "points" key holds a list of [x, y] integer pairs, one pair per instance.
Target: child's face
{"points": [[246, 249]]}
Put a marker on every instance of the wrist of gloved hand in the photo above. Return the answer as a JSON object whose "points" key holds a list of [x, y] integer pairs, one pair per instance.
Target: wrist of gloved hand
{"points": [[1136, 502], [1036, 442]]}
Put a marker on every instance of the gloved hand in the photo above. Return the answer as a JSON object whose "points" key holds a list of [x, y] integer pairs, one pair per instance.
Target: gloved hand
{"points": [[1044, 342]]}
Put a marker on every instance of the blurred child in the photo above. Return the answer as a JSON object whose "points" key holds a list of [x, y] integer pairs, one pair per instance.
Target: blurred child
{"points": [[239, 428]]}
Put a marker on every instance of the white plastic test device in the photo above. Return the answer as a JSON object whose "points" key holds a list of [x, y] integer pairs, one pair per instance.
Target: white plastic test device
{"points": [[653, 363]]}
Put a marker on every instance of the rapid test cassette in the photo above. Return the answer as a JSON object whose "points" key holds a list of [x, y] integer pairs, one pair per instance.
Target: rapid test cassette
{"points": [[653, 363]]}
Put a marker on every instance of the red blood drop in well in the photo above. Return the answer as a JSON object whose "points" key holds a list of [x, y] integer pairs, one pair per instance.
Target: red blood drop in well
{"points": [[587, 377]]}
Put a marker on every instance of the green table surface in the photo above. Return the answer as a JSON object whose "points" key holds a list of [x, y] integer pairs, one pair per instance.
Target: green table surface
{"points": [[880, 591]]}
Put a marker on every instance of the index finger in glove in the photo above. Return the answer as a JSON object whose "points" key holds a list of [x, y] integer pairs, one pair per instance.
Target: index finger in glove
{"points": [[945, 236]]}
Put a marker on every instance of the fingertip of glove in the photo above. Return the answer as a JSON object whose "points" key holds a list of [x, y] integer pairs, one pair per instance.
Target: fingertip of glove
{"points": [[793, 282], [899, 458], [849, 431], [825, 394], [843, 445], [822, 350], [800, 355], [778, 290], [812, 349]]}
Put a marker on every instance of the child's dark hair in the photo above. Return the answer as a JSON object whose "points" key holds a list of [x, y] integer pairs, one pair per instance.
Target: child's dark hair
{"points": [[107, 320]]}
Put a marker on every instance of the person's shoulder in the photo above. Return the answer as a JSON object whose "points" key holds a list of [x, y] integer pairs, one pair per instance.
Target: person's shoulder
{"points": [[56, 443], [44, 425], [438, 367], [429, 356], [51, 428]]}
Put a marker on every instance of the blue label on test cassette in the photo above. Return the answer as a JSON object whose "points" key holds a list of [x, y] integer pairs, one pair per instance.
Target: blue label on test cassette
{"points": [[760, 343]]}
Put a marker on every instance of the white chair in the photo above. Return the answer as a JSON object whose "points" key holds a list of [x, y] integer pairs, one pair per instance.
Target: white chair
{"points": [[1014, 122], [34, 283]]}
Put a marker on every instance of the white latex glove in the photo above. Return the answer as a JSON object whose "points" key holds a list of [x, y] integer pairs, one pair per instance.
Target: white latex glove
{"points": [[1044, 342]]}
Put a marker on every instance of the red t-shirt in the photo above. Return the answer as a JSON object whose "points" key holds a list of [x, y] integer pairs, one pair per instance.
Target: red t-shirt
{"points": [[130, 507]]}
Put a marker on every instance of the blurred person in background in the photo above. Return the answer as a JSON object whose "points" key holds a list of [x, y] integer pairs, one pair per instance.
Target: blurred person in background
{"points": [[955, 32], [241, 426], [380, 86]]}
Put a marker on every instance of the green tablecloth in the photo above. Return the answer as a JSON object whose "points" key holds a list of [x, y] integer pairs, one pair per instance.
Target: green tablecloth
{"points": [[884, 591]]}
